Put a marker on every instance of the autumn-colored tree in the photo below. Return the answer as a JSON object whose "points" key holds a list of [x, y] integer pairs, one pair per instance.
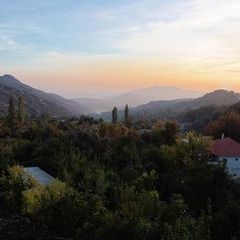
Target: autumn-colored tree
{"points": [[171, 130], [228, 124]]}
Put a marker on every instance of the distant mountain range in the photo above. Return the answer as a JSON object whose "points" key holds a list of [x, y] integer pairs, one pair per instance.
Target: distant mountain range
{"points": [[37, 102], [172, 103], [137, 97], [170, 109], [216, 98]]}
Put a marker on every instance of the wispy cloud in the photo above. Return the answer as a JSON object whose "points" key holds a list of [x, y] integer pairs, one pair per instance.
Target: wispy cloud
{"points": [[199, 26], [7, 44], [200, 36]]}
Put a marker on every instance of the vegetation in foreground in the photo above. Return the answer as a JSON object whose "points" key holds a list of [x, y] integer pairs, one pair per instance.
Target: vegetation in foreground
{"points": [[113, 182]]}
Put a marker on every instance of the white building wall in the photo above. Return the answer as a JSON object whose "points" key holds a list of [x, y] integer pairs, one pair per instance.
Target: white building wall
{"points": [[232, 164]]}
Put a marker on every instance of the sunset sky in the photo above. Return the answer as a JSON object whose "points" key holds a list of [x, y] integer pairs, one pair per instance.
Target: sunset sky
{"points": [[97, 47]]}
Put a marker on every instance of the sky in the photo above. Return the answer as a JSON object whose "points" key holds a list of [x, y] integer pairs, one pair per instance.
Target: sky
{"points": [[96, 47]]}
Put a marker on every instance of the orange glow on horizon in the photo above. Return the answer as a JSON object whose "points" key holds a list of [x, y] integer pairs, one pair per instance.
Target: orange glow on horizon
{"points": [[124, 74]]}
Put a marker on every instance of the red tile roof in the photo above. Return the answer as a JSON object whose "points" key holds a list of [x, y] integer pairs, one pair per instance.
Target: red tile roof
{"points": [[226, 147]]}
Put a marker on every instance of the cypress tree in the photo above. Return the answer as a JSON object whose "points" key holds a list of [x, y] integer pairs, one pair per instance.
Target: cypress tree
{"points": [[114, 115], [126, 116], [21, 110], [11, 112]]}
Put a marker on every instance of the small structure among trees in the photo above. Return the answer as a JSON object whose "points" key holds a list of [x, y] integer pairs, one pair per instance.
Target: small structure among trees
{"points": [[227, 151], [39, 175]]}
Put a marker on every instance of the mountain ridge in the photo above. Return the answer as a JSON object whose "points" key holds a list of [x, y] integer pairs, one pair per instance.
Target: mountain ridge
{"points": [[37, 102], [138, 97], [164, 109]]}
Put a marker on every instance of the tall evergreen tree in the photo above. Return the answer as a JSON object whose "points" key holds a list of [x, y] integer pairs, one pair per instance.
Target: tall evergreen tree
{"points": [[114, 115], [11, 112], [126, 116], [21, 110]]}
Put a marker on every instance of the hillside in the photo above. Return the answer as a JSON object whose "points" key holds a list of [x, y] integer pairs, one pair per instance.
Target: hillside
{"points": [[216, 98], [138, 97], [176, 109], [37, 102]]}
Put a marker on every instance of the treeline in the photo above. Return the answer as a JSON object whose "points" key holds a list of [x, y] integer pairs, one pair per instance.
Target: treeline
{"points": [[189, 119], [114, 181], [127, 121]]}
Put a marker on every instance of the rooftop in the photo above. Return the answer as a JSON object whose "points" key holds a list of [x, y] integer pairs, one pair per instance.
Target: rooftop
{"points": [[226, 147], [38, 174]]}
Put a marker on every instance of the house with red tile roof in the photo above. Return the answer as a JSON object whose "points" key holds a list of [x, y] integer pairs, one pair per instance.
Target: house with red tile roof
{"points": [[227, 151]]}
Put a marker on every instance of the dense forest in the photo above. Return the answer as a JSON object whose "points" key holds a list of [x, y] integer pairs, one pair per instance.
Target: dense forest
{"points": [[115, 180]]}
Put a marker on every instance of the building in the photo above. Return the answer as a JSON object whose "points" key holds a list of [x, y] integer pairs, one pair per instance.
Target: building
{"points": [[39, 175], [227, 151]]}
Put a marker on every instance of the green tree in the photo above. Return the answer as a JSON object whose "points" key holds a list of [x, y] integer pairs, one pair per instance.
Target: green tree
{"points": [[12, 184], [126, 116], [114, 115], [193, 149], [21, 227], [58, 205], [21, 110], [11, 112]]}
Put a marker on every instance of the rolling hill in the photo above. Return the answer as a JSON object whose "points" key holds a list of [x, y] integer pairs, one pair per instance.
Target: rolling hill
{"points": [[172, 109], [137, 97], [215, 98], [37, 102]]}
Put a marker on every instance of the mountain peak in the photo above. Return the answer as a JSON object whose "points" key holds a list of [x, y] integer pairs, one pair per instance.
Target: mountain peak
{"points": [[9, 76], [222, 93], [9, 80], [37, 101]]}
